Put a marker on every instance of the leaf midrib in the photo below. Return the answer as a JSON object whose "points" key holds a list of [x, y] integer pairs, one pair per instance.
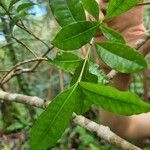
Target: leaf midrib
{"points": [[116, 6], [131, 61], [57, 114], [70, 11], [114, 98]]}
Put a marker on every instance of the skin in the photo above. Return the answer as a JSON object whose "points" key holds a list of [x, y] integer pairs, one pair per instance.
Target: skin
{"points": [[130, 25]]}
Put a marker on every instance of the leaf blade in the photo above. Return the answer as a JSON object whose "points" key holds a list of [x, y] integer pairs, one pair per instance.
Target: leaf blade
{"points": [[47, 130], [92, 7], [113, 100], [66, 61], [111, 34], [76, 35], [67, 11], [121, 57], [117, 7]]}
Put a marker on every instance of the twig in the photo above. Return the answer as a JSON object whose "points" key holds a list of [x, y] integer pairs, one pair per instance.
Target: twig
{"points": [[18, 65], [28, 31], [61, 78], [143, 4], [23, 27], [142, 41], [24, 45], [101, 131], [38, 63], [18, 71]]}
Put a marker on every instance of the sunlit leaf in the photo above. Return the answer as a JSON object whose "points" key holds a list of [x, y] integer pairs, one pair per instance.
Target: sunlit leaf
{"points": [[76, 35], [92, 7]]}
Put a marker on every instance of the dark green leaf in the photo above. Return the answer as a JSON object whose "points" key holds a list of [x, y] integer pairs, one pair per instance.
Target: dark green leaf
{"points": [[117, 7], [121, 57], [87, 76], [53, 121], [66, 61], [76, 35], [92, 7], [113, 100], [24, 6], [111, 34], [18, 17], [12, 3], [81, 104], [67, 11]]}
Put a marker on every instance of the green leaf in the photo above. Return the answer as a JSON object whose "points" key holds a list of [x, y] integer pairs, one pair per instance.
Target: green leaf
{"points": [[113, 100], [82, 105], [121, 57], [24, 6], [75, 35], [67, 11], [66, 61], [53, 121], [14, 127], [18, 17], [12, 3], [95, 70], [111, 34], [117, 7], [92, 7], [86, 76]]}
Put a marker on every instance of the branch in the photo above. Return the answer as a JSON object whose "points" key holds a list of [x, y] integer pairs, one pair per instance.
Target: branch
{"points": [[101, 131], [25, 46], [143, 4], [10, 73], [104, 133]]}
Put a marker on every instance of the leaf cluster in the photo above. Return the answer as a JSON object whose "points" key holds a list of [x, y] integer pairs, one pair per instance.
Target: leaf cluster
{"points": [[85, 88]]}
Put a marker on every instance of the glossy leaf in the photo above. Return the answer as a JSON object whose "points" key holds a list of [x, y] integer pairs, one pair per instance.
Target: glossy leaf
{"points": [[92, 7], [76, 35], [66, 61], [53, 121], [117, 7], [111, 34], [121, 57], [113, 100], [67, 11]]}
